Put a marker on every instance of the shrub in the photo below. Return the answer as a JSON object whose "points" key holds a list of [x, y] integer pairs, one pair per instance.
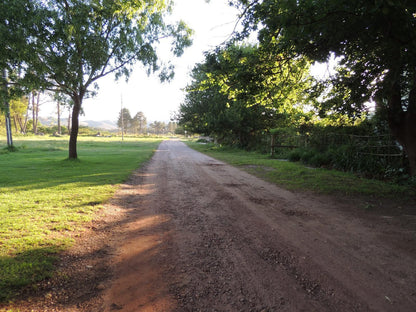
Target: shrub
{"points": [[307, 155], [295, 155], [320, 159]]}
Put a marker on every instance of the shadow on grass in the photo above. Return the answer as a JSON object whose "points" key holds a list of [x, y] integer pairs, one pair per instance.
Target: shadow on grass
{"points": [[78, 277], [42, 167], [24, 269], [32, 273]]}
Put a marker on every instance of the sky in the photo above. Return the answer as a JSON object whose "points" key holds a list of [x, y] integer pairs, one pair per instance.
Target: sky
{"points": [[212, 22]]}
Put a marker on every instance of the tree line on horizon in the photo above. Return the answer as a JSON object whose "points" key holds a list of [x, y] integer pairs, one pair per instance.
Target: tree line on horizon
{"points": [[24, 112], [138, 124]]}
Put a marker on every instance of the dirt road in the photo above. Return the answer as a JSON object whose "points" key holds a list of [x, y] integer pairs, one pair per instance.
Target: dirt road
{"points": [[204, 236], [194, 234]]}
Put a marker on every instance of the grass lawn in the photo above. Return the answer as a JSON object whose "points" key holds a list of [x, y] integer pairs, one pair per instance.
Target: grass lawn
{"points": [[296, 176], [44, 197]]}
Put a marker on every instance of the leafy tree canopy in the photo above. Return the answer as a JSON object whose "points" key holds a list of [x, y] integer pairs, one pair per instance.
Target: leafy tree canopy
{"points": [[241, 91], [139, 122], [86, 40], [124, 119], [375, 41], [17, 26], [77, 42]]}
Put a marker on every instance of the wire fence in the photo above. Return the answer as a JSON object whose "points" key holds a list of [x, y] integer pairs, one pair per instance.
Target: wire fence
{"points": [[375, 145]]}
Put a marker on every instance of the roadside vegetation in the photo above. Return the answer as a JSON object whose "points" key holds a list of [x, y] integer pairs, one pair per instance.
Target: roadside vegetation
{"points": [[325, 79], [298, 176], [46, 199]]}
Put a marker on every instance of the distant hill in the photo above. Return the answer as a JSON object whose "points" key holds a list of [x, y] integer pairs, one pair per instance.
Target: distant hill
{"points": [[103, 125]]}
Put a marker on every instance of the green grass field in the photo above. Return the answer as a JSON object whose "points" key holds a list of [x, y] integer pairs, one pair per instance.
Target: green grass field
{"points": [[44, 198], [296, 176]]}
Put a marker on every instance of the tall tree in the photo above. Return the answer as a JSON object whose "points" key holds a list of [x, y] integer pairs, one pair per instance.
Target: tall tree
{"points": [[17, 18], [172, 126], [242, 91], [85, 40], [36, 103], [374, 40], [157, 127], [18, 111], [58, 111], [62, 101], [6, 108], [124, 120], [139, 122]]}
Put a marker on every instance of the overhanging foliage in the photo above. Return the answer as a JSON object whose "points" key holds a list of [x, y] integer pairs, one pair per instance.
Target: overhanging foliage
{"points": [[376, 41]]}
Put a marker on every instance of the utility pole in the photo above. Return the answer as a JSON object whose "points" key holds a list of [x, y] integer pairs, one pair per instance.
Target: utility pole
{"points": [[59, 116], [122, 118], [7, 112]]}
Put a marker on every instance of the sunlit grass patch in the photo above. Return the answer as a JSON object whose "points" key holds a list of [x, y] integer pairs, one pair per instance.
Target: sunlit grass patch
{"points": [[296, 176], [45, 198]]}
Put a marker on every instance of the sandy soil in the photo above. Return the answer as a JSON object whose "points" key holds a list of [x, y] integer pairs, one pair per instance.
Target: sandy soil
{"points": [[190, 233]]}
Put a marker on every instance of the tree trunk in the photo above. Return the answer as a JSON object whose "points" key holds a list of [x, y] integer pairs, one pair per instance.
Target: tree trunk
{"points": [[410, 147], [8, 128], [403, 123], [21, 125], [15, 123], [24, 129], [75, 127], [7, 112], [405, 133], [69, 121]]}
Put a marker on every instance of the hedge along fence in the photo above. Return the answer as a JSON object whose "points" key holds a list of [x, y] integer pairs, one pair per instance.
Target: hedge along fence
{"points": [[378, 156]]}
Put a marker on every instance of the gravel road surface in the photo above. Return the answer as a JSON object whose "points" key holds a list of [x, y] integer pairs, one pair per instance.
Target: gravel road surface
{"points": [[205, 236]]}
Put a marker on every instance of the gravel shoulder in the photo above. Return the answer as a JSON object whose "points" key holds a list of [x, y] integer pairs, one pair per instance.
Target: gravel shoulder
{"points": [[190, 233]]}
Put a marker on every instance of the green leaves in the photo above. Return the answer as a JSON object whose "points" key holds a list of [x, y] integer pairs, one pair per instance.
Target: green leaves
{"points": [[183, 37], [69, 45], [375, 39], [18, 46], [242, 91], [370, 41]]}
